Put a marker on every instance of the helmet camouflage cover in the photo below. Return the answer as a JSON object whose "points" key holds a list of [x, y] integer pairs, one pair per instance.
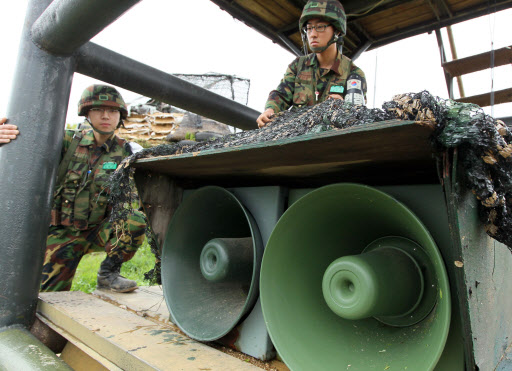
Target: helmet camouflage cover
{"points": [[101, 95], [330, 10]]}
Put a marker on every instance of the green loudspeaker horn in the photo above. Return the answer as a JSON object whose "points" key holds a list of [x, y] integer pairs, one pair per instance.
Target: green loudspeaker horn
{"points": [[351, 279], [210, 263]]}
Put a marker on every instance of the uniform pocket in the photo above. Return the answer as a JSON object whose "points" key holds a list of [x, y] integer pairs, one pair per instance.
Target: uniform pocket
{"points": [[303, 93], [99, 204], [68, 196], [99, 194], [82, 209]]}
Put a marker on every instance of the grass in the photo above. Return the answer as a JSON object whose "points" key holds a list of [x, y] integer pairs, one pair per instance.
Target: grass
{"points": [[86, 273]]}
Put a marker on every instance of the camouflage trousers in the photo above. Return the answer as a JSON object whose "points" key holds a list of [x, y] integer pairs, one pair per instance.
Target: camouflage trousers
{"points": [[65, 247]]}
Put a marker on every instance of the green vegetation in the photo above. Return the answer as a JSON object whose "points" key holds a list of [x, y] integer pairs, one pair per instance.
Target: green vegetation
{"points": [[145, 143], [74, 125], [85, 278], [190, 136]]}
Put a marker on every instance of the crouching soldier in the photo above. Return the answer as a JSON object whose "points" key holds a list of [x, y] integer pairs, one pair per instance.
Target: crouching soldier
{"points": [[80, 212]]}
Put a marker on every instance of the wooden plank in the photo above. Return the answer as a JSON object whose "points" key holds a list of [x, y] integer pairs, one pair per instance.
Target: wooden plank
{"points": [[283, 8], [397, 18], [276, 14], [149, 302], [128, 340], [81, 358], [484, 100], [380, 152], [462, 5], [390, 21], [478, 62]]}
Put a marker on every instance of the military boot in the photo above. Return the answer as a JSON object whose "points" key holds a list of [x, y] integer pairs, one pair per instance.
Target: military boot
{"points": [[109, 277]]}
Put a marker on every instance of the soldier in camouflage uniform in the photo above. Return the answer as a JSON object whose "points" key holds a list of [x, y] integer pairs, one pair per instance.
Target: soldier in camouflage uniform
{"points": [[79, 217], [318, 76]]}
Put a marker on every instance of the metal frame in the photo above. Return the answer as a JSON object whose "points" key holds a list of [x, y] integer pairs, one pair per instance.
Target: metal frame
{"points": [[53, 46], [67, 24], [103, 64], [357, 40], [38, 102]]}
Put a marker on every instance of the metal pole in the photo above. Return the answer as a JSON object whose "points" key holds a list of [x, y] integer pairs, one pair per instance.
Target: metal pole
{"points": [[68, 24], [38, 104], [454, 57], [106, 65], [442, 53]]}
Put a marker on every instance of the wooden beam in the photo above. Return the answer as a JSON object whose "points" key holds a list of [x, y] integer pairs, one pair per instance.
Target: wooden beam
{"points": [[478, 62], [484, 100]]}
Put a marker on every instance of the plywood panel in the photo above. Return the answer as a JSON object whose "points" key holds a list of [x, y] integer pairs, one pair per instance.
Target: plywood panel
{"points": [[386, 150]]}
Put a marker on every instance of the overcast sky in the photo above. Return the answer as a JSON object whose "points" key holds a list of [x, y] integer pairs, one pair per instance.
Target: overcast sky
{"points": [[196, 37]]}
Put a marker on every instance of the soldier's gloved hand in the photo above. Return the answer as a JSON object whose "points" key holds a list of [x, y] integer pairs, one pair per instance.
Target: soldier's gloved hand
{"points": [[264, 118], [7, 132], [335, 96]]}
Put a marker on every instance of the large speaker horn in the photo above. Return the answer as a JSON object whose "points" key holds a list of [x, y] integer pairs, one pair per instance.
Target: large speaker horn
{"points": [[352, 280], [210, 263]]}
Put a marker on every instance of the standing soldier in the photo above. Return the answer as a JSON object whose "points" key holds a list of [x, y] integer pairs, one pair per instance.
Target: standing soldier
{"points": [[80, 212], [321, 75]]}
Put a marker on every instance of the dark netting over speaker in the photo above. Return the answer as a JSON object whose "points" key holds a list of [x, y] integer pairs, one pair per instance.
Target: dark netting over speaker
{"points": [[352, 279], [210, 263]]}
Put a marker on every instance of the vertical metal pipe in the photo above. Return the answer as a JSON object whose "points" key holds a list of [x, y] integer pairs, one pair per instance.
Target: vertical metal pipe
{"points": [[442, 53], [38, 104], [454, 57]]}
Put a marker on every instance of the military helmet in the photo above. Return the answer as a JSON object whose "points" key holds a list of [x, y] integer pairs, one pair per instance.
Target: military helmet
{"points": [[329, 10], [101, 95]]}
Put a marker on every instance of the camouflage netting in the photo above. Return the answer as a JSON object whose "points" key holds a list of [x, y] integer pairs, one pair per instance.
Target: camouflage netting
{"points": [[481, 141], [229, 86]]}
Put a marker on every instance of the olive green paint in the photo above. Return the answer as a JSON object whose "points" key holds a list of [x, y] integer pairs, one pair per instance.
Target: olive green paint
{"points": [[330, 222], [483, 278], [207, 309], [20, 350]]}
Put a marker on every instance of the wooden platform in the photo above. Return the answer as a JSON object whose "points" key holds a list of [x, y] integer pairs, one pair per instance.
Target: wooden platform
{"points": [[131, 332]]}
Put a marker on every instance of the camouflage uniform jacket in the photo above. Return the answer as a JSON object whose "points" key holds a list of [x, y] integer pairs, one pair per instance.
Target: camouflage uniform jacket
{"points": [[81, 199], [304, 77]]}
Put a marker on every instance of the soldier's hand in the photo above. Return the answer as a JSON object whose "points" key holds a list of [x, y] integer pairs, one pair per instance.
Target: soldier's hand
{"points": [[335, 96], [7, 132], [265, 117]]}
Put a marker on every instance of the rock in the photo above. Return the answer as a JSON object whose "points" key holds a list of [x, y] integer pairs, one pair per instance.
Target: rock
{"points": [[214, 126], [191, 120], [202, 136], [187, 142], [195, 124]]}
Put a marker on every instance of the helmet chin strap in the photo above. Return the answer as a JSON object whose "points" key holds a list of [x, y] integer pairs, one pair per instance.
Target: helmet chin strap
{"points": [[98, 130], [318, 49]]}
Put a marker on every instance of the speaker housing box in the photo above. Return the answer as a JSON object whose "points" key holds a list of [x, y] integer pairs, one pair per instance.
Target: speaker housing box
{"points": [[264, 206], [426, 201], [394, 153]]}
